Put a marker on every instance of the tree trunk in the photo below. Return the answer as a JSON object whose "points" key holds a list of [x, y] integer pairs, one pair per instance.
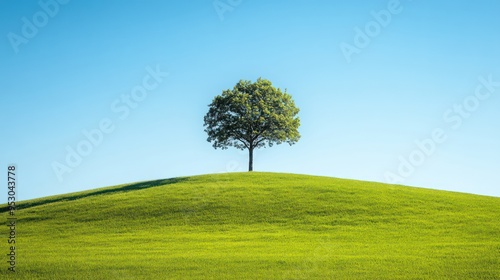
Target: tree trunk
{"points": [[250, 159]]}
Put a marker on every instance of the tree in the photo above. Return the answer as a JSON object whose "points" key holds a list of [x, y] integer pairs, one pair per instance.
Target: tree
{"points": [[251, 116]]}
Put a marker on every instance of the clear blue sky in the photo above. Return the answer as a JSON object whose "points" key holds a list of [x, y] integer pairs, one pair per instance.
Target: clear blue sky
{"points": [[360, 113]]}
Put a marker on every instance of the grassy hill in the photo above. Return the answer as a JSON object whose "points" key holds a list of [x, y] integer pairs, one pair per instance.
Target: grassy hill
{"points": [[257, 226]]}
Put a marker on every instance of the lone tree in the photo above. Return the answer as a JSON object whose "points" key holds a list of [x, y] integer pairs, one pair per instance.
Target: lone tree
{"points": [[250, 116]]}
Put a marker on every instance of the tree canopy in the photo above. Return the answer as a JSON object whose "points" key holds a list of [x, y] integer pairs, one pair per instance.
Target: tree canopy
{"points": [[250, 116]]}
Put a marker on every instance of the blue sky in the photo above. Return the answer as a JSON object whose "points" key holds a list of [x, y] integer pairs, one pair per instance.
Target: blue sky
{"points": [[361, 113]]}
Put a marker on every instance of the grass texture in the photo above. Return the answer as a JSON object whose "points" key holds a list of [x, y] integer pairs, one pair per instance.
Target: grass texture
{"points": [[256, 226]]}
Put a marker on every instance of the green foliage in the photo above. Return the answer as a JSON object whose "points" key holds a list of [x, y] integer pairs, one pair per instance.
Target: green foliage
{"points": [[258, 226], [252, 115]]}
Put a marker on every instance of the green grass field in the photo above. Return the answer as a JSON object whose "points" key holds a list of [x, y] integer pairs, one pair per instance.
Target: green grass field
{"points": [[257, 226]]}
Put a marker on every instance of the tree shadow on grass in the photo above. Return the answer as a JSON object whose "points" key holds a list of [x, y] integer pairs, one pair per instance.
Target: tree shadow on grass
{"points": [[111, 190]]}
